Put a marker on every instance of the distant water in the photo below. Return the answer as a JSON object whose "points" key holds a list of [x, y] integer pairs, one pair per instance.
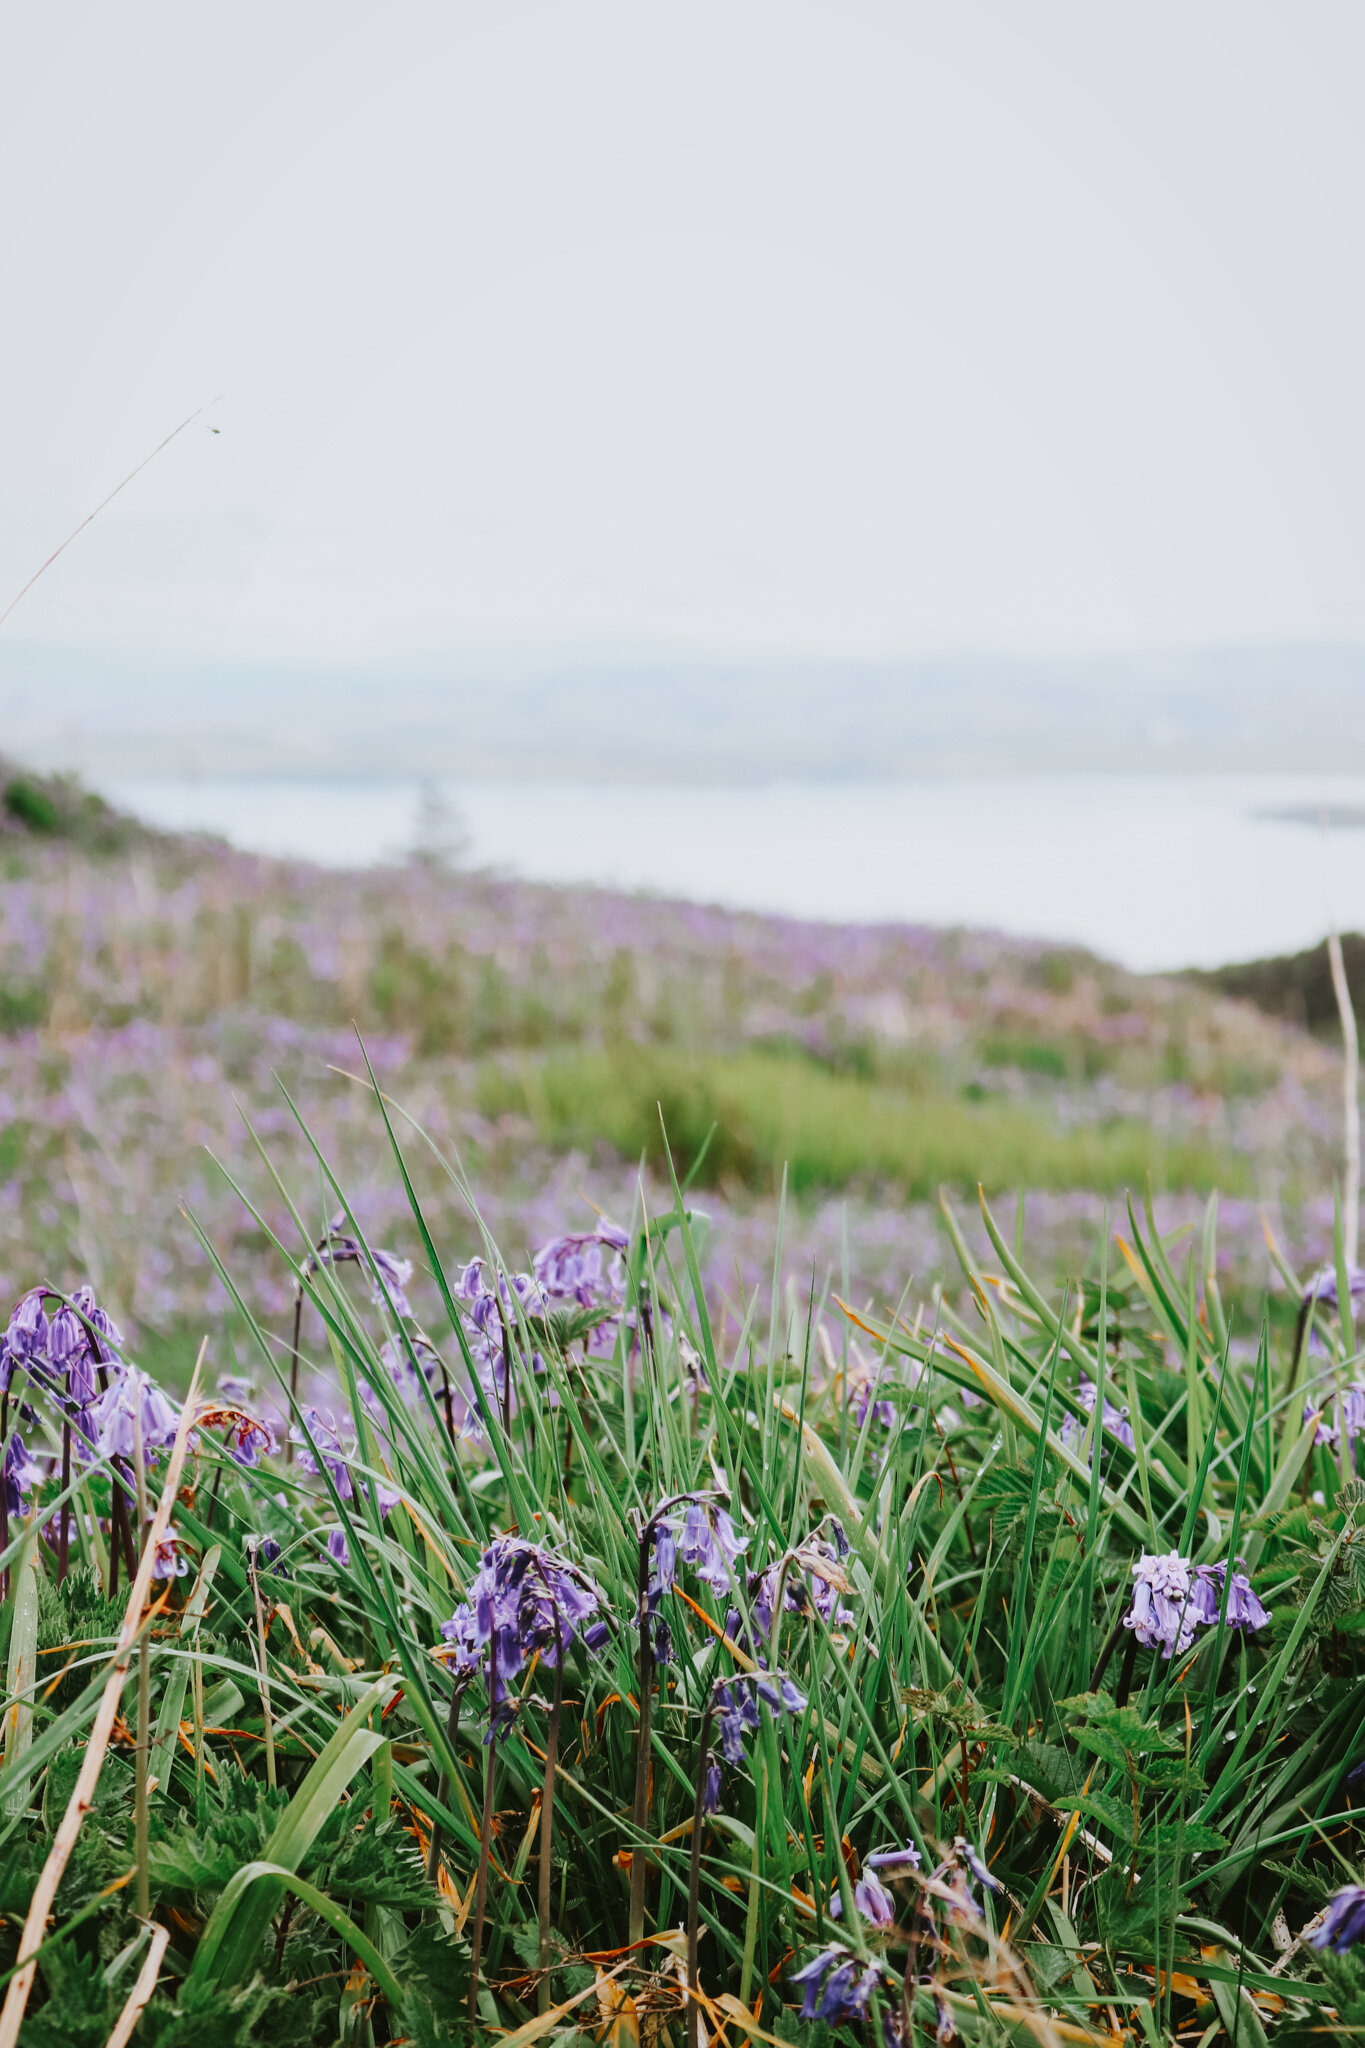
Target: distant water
{"points": [[1155, 871]]}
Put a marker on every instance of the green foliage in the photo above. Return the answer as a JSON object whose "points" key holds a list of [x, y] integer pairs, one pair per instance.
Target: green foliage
{"points": [[829, 1129], [965, 1678]]}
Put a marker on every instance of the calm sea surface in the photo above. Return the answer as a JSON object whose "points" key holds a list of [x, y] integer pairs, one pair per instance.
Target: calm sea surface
{"points": [[1159, 871]]}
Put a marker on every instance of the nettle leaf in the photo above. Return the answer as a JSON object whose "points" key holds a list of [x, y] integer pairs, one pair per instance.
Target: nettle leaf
{"points": [[1169, 1835], [1115, 1814], [1004, 1486], [380, 1865], [78, 2009], [1049, 1768], [1351, 1495]]}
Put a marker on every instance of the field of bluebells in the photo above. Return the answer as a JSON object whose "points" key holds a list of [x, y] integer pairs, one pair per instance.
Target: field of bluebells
{"points": [[523, 1626]]}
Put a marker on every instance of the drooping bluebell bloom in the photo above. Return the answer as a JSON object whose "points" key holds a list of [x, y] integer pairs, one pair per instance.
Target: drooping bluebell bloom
{"points": [[131, 1392], [1115, 1420], [169, 1562], [872, 1899], [693, 1530], [20, 1473], [1244, 1609], [837, 1986], [333, 1452], [387, 1272], [338, 1549], [734, 1707], [250, 1440], [895, 1863], [268, 1555], [1163, 1613], [1343, 1923], [975, 1864], [491, 1306], [585, 1267], [810, 1578], [523, 1601]]}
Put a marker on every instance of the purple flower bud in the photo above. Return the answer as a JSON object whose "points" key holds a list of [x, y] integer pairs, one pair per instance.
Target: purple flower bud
{"points": [[895, 1863], [1343, 1923], [338, 1549], [967, 1855], [168, 1562]]}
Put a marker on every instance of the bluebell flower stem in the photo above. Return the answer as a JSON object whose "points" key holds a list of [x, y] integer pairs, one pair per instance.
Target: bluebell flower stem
{"points": [[485, 1837], [294, 1372], [639, 1812], [1126, 1672], [547, 1829], [694, 1875], [64, 1519]]}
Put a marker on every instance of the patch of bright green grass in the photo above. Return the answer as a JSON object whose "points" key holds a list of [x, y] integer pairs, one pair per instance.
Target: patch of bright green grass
{"points": [[829, 1129]]}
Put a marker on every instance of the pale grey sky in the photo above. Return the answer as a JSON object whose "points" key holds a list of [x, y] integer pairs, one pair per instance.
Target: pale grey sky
{"points": [[839, 328]]}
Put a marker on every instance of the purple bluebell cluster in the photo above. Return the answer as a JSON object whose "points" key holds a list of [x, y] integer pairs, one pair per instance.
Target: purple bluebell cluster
{"points": [[808, 1578], [871, 1898], [388, 1274], [132, 1396], [63, 1351], [1350, 1417], [1172, 1599], [1343, 1923], [490, 1306], [1115, 1420], [587, 1268], [524, 1601], [694, 1530], [734, 1706], [837, 1986]]}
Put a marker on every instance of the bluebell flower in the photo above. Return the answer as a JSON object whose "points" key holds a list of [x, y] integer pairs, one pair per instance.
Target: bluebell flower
{"points": [[734, 1708], [692, 1530], [132, 1392], [1163, 1614], [268, 1555], [1343, 1923], [327, 1445], [338, 1248], [586, 1268], [976, 1865], [837, 1986], [895, 1863], [1115, 1420], [809, 1576], [523, 1601], [1244, 1609], [872, 1899], [20, 1473], [168, 1562], [338, 1549]]}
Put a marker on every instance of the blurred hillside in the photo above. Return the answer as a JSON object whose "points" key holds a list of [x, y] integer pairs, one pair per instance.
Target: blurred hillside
{"points": [[155, 990]]}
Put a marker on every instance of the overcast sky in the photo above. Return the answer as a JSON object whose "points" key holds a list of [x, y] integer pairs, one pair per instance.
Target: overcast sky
{"points": [[829, 328]]}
